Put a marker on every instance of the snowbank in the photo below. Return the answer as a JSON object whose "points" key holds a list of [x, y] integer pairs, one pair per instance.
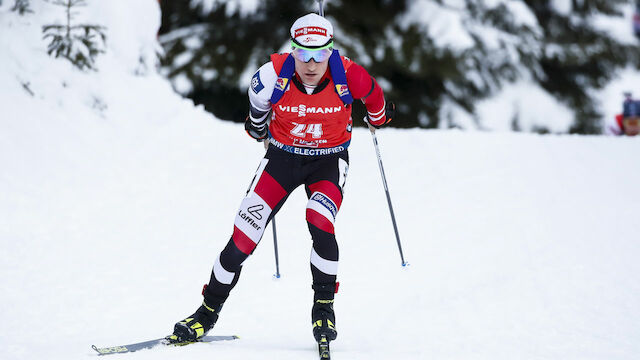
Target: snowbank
{"points": [[116, 195]]}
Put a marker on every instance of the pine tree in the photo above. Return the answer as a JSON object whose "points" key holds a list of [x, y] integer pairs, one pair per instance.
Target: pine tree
{"points": [[21, 7], [432, 79], [578, 57], [565, 53], [78, 43], [212, 46]]}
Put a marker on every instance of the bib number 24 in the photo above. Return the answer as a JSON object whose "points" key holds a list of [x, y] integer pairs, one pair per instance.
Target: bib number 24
{"points": [[301, 130]]}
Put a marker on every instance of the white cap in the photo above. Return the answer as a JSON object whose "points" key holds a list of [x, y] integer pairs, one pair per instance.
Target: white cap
{"points": [[312, 30]]}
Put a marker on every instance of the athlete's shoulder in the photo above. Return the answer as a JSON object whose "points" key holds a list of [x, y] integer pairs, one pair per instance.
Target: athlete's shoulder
{"points": [[347, 62], [278, 61], [264, 79], [357, 76]]}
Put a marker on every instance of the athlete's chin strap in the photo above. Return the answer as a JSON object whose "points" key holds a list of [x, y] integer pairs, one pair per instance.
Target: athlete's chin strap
{"points": [[337, 74]]}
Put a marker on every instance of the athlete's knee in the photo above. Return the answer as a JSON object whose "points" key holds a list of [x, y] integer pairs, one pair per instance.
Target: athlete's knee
{"points": [[264, 195], [231, 257], [251, 221], [323, 205]]}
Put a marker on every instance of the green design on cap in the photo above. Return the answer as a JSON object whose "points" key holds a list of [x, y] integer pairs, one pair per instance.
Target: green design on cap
{"points": [[297, 45]]}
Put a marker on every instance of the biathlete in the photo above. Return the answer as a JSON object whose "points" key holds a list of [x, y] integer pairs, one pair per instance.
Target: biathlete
{"points": [[308, 94]]}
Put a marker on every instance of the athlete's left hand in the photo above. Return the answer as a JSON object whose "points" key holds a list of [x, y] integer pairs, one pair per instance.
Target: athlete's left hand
{"points": [[390, 112]]}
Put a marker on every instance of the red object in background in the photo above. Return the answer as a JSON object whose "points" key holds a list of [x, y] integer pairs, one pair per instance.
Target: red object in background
{"points": [[619, 118]]}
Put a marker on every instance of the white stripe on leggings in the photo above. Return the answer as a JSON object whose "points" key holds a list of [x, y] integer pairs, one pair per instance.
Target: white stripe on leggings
{"points": [[222, 275], [326, 266]]}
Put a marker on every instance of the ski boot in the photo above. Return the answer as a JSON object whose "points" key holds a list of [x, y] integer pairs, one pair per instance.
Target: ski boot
{"points": [[199, 323], [322, 315]]}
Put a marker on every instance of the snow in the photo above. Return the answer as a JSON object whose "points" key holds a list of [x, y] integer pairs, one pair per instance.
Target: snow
{"points": [[244, 7], [116, 195], [562, 6], [511, 102], [445, 24], [450, 26]]}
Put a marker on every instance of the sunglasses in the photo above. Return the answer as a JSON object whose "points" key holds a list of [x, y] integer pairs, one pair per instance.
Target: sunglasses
{"points": [[306, 54]]}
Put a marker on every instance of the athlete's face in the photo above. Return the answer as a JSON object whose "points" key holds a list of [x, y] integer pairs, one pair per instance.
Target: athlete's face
{"points": [[631, 125], [311, 72]]}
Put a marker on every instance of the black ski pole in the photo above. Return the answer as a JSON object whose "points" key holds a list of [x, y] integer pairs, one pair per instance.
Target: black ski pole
{"points": [[320, 7], [275, 248], [275, 236], [386, 189]]}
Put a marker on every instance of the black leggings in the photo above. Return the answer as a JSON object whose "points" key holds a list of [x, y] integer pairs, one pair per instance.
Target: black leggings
{"points": [[280, 173]]}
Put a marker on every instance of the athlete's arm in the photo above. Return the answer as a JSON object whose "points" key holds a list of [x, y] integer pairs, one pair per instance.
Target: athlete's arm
{"points": [[364, 87], [260, 90]]}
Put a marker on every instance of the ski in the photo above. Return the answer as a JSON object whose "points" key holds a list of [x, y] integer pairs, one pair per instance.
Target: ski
{"points": [[323, 348], [153, 343]]}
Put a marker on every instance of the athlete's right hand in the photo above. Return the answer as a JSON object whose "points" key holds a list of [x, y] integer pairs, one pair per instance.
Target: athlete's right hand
{"points": [[255, 132]]}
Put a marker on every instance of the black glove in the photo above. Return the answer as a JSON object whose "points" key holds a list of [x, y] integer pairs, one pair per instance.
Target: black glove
{"points": [[389, 112], [257, 133]]}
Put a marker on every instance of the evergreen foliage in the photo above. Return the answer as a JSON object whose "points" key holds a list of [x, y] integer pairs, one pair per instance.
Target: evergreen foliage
{"points": [[21, 7], [78, 43], [577, 57], [210, 47], [219, 46]]}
